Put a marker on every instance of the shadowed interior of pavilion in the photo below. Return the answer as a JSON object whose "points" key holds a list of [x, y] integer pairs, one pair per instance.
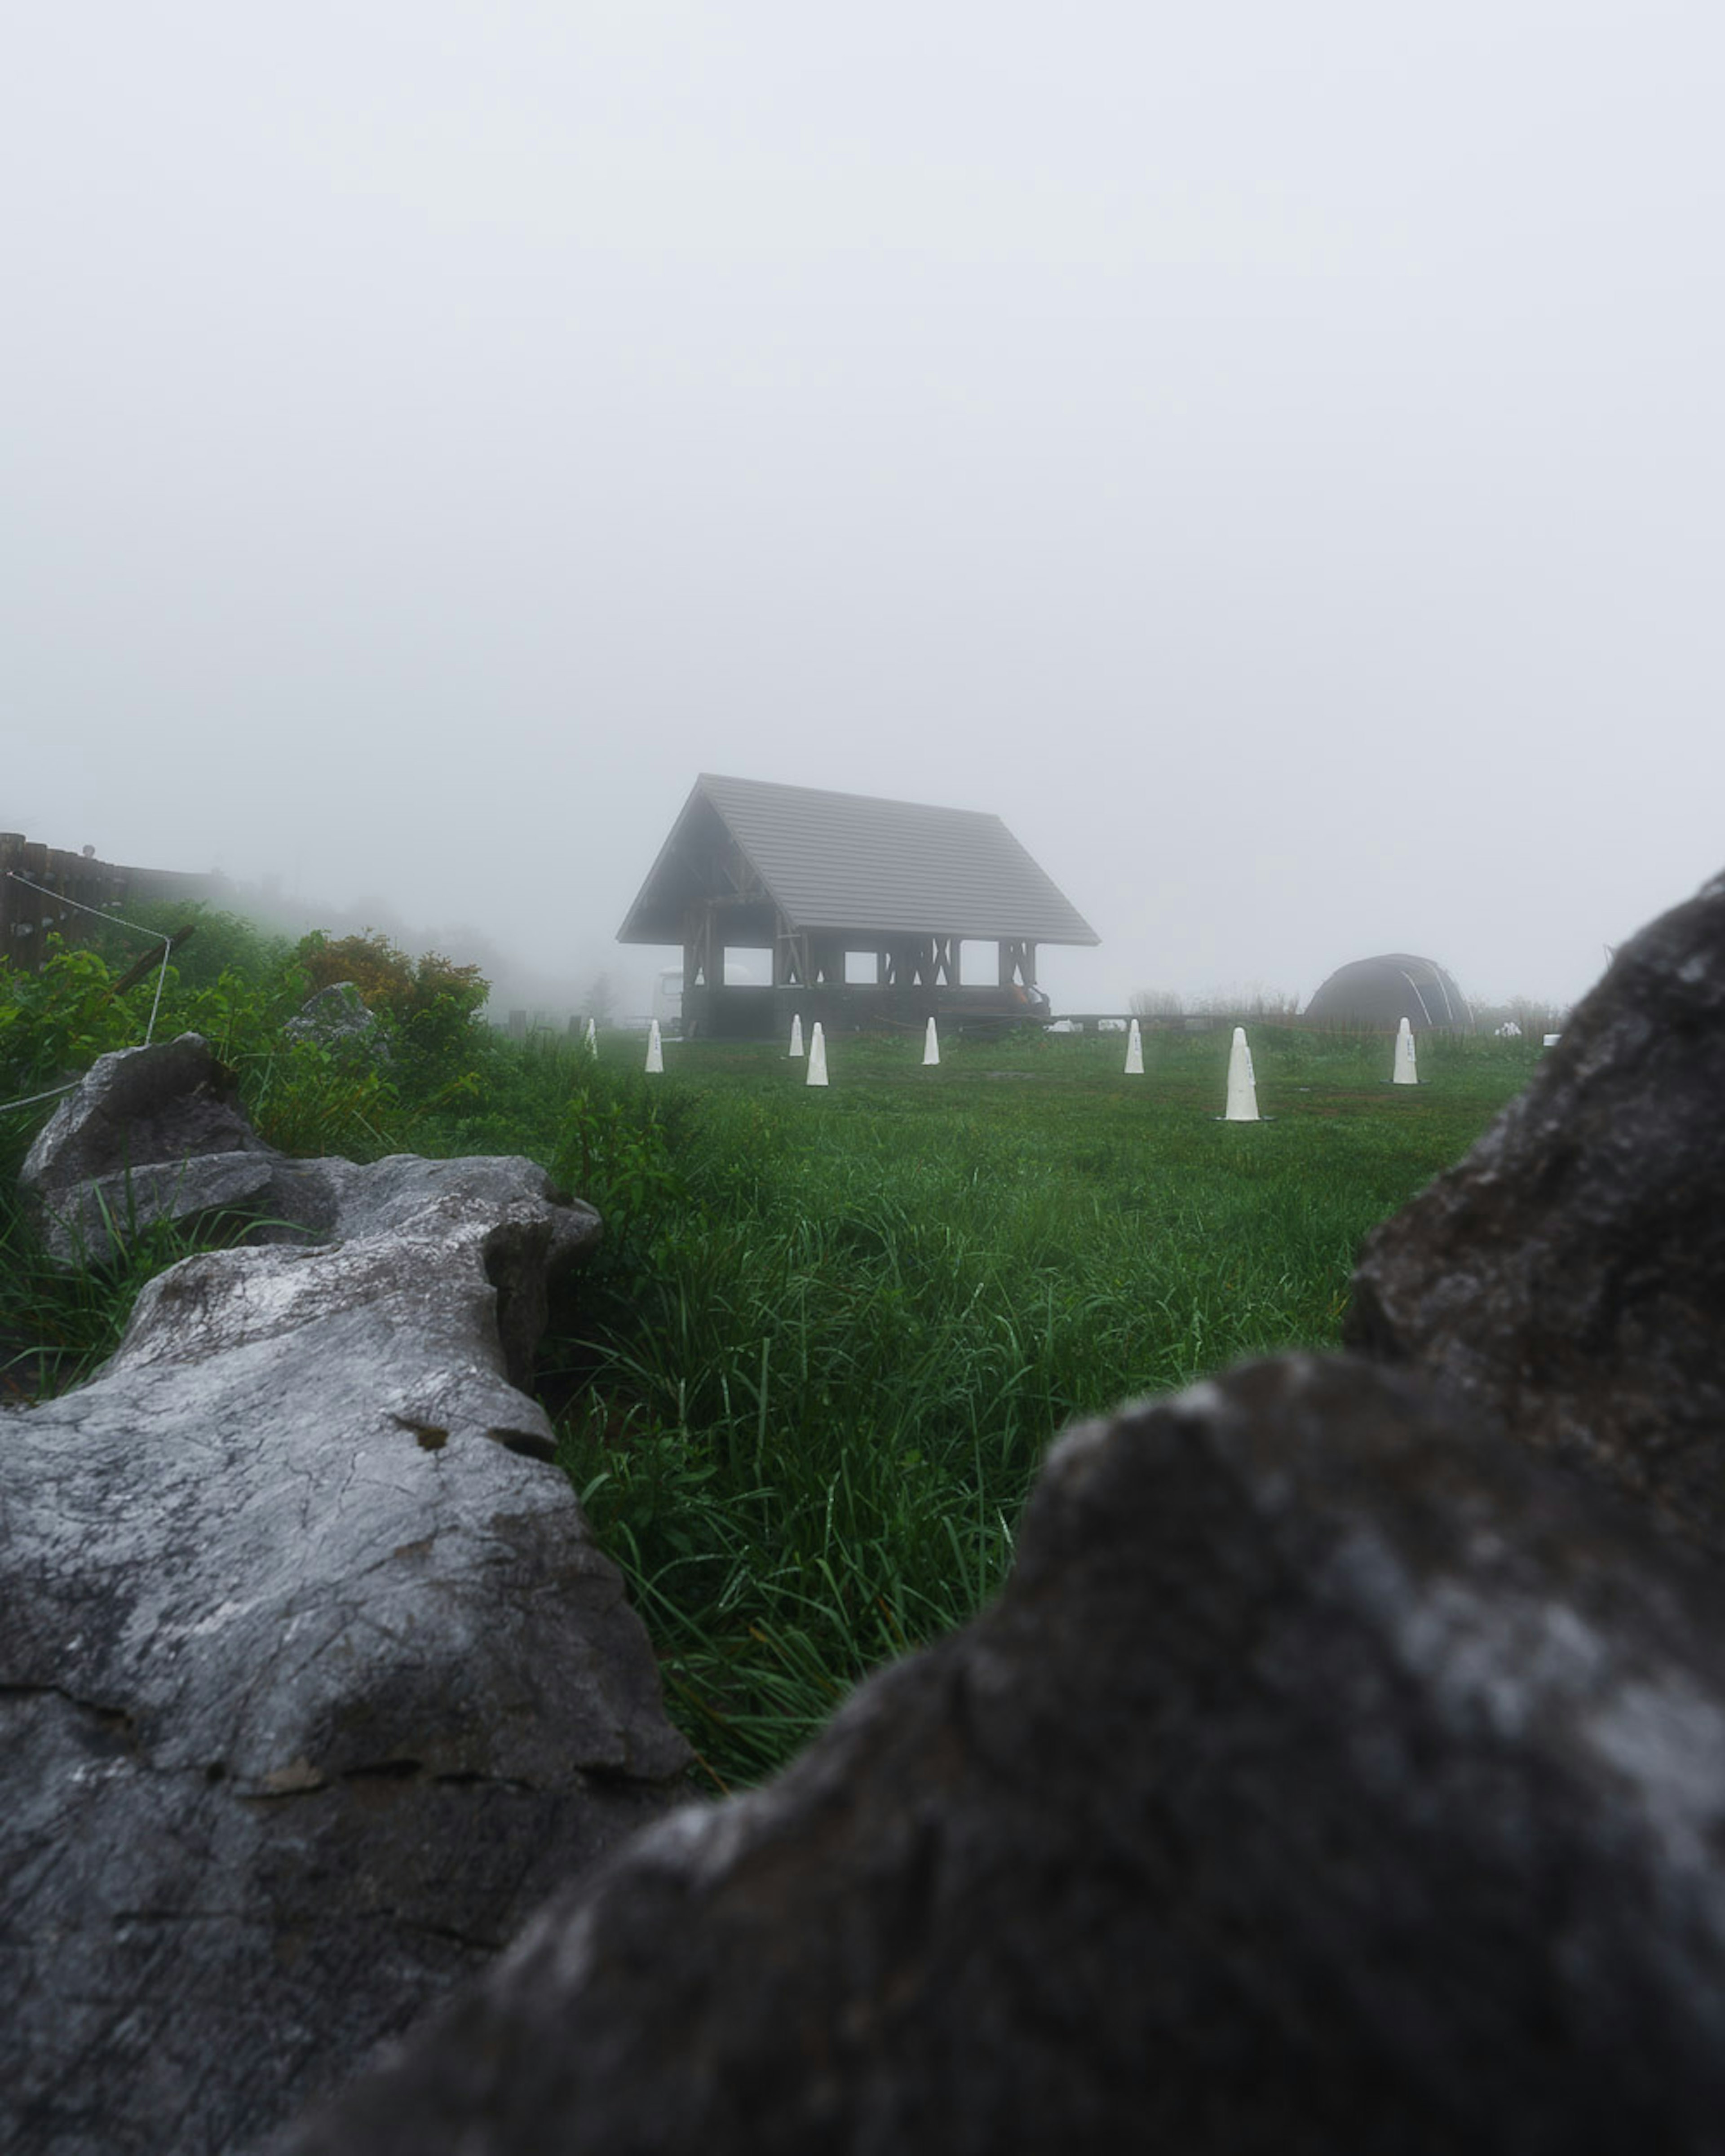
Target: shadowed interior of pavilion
{"points": [[820, 879]]}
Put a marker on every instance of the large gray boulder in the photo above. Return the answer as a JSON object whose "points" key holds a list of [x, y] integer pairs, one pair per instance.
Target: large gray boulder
{"points": [[1330, 1776], [312, 1683], [157, 1134], [1568, 1279]]}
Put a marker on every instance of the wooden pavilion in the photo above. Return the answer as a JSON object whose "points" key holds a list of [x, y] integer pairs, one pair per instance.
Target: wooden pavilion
{"points": [[817, 878]]}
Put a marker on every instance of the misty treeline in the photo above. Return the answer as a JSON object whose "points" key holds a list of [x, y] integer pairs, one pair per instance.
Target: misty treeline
{"points": [[1236, 1004], [1531, 1015]]}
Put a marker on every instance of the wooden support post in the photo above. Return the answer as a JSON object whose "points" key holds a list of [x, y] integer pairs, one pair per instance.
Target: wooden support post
{"points": [[784, 954], [715, 945], [12, 856], [32, 906], [712, 947], [1018, 962]]}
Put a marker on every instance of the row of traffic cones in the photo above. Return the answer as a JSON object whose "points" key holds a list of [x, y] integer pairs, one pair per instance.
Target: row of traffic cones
{"points": [[1242, 1083], [817, 1074]]}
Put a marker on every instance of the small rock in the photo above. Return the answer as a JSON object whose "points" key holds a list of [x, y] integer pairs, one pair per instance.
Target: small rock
{"points": [[337, 1015]]}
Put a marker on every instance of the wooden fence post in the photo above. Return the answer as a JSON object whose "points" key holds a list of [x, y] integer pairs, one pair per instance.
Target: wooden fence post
{"points": [[12, 856]]}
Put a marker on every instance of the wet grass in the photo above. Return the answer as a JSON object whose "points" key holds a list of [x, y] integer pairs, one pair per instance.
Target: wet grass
{"points": [[805, 1412], [806, 1387]]}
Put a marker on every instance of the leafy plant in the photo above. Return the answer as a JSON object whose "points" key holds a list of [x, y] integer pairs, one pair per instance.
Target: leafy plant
{"points": [[55, 1023], [613, 1148], [429, 1004]]}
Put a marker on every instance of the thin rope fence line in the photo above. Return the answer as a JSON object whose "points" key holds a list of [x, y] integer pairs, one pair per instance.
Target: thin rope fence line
{"points": [[30, 1100], [96, 913]]}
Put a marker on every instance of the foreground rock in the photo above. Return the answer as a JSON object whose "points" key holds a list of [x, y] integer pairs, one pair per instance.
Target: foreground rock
{"points": [[1327, 1778], [1569, 1277], [311, 1681]]}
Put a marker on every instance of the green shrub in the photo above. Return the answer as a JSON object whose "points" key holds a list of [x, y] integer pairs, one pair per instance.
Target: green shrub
{"points": [[237, 986], [433, 1001], [54, 1023]]}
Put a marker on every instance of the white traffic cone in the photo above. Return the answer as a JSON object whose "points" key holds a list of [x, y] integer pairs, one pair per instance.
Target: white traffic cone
{"points": [[816, 1057], [1134, 1051], [931, 1044], [1242, 1085], [655, 1053], [795, 1050], [590, 1040], [1407, 1065]]}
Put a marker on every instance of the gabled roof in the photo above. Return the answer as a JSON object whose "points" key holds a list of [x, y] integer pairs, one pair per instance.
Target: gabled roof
{"points": [[848, 861]]}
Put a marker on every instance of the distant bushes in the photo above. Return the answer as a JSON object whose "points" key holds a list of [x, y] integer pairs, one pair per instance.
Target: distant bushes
{"points": [[1236, 1006], [432, 1001], [237, 986]]}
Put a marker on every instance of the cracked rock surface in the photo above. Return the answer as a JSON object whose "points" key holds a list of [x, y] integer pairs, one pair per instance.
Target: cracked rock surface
{"points": [[1567, 1277], [1329, 1778], [312, 1683], [156, 1134]]}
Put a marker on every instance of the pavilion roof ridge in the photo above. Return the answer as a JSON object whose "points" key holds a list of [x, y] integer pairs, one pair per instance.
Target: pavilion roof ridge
{"points": [[858, 863]]}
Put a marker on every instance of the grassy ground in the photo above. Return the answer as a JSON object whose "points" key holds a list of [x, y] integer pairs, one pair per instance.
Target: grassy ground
{"points": [[806, 1400], [805, 1388]]}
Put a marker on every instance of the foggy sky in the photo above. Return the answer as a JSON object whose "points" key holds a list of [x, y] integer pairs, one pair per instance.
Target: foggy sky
{"points": [[1270, 455]]}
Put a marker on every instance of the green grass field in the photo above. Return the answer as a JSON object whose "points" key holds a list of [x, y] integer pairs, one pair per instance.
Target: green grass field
{"points": [[805, 1397], [805, 1386]]}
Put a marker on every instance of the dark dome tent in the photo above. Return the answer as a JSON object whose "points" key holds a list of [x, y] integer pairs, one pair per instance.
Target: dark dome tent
{"points": [[1377, 993]]}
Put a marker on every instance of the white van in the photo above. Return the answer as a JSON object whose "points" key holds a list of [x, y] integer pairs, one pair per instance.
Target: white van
{"points": [[667, 1000]]}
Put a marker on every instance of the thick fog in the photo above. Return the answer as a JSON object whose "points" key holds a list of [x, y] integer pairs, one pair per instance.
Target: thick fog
{"points": [[1270, 456]]}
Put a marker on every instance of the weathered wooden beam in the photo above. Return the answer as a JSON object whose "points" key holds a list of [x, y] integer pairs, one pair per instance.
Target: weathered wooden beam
{"points": [[12, 856], [154, 957]]}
